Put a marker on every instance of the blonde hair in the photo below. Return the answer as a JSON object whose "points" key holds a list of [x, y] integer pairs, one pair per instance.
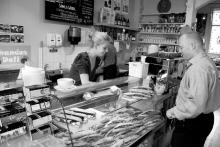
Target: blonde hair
{"points": [[98, 38]]}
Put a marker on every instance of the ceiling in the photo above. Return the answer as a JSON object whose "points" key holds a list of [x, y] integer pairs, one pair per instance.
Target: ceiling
{"points": [[207, 8]]}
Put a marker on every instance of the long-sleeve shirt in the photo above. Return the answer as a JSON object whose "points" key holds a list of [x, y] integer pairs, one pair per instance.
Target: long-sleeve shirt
{"points": [[199, 90]]}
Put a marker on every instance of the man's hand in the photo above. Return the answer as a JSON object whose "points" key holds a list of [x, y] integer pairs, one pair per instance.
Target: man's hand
{"points": [[170, 114]]}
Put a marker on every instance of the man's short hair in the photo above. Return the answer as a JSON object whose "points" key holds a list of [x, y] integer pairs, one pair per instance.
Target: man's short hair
{"points": [[193, 36]]}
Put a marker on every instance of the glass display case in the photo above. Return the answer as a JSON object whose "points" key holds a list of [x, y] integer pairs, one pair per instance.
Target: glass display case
{"points": [[129, 116], [136, 111]]}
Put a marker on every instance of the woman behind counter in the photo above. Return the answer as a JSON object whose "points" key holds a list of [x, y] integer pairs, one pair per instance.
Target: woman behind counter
{"points": [[83, 69]]}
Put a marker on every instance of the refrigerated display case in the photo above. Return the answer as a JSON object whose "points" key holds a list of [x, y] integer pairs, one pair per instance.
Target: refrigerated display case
{"points": [[110, 107], [108, 103]]}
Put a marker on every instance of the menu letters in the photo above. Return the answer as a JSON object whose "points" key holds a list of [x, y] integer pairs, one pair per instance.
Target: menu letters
{"points": [[72, 11]]}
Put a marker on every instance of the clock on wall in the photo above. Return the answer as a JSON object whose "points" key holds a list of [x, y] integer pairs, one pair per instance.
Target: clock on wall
{"points": [[164, 6]]}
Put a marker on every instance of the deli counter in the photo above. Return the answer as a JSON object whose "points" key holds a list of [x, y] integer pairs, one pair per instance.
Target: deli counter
{"points": [[131, 115]]}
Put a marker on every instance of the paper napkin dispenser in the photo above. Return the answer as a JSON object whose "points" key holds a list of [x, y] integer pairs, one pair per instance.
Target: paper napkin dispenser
{"points": [[74, 35]]}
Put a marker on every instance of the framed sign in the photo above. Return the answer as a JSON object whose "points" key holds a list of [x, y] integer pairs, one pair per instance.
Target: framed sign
{"points": [[71, 11], [12, 54]]}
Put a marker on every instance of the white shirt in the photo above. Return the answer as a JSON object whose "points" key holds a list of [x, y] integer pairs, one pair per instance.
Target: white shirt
{"points": [[199, 90]]}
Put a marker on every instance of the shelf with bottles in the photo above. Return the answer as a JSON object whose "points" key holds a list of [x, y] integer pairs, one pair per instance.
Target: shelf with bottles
{"points": [[127, 41], [119, 34], [115, 26], [143, 50], [167, 17], [160, 28], [168, 13], [163, 40], [157, 23], [112, 18], [159, 43], [159, 33]]}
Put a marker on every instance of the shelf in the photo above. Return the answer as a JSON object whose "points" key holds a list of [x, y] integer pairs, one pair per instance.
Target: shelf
{"points": [[116, 26], [36, 127], [153, 14], [11, 118], [149, 23], [38, 111], [159, 33], [142, 42], [126, 41]]}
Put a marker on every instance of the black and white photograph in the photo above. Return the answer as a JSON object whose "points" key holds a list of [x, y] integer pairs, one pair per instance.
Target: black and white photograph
{"points": [[5, 28], [4, 38], [17, 38], [125, 6], [117, 5], [108, 3], [109, 73], [16, 29]]}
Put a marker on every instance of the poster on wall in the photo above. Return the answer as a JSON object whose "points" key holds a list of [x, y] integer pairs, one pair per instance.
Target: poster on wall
{"points": [[4, 28], [17, 29], [4, 38], [12, 54], [125, 6], [108, 3], [117, 5], [11, 33], [71, 11], [17, 38]]}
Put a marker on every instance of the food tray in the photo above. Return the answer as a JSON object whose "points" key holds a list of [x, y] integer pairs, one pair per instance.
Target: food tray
{"points": [[143, 137], [153, 123]]}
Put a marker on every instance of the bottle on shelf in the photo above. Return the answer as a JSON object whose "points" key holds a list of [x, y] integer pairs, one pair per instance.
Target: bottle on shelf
{"points": [[124, 21], [118, 35], [123, 35], [128, 23], [161, 28], [119, 20]]}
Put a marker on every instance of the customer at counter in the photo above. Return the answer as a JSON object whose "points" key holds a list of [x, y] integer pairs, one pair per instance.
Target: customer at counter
{"points": [[198, 95], [83, 69]]}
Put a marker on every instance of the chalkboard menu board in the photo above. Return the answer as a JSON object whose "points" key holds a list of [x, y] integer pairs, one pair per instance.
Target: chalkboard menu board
{"points": [[72, 11]]}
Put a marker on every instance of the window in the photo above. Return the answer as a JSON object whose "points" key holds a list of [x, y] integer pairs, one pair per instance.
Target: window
{"points": [[214, 45]]}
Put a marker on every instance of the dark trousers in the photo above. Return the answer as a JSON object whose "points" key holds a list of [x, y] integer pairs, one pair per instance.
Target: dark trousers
{"points": [[192, 132]]}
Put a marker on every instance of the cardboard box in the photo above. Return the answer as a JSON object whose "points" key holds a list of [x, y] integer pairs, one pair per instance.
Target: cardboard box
{"points": [[138, 69]]}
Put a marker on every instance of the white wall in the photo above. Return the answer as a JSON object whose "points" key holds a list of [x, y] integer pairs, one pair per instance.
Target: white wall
{"points": [[177, 6], [30, 14], [201, 3]]}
